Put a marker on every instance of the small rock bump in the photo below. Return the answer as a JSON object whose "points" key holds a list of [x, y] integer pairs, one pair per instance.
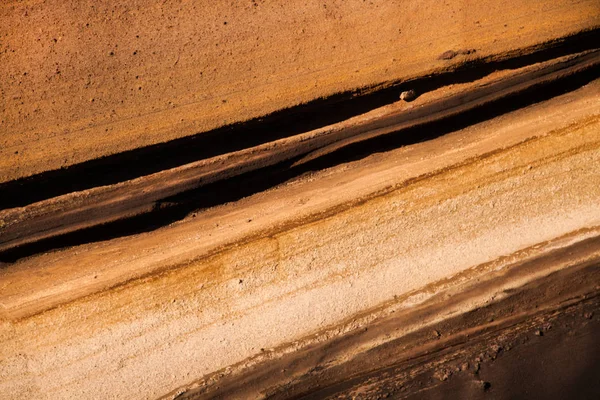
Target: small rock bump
{"points": [[484, 385], [408, 95], [442, 375], [448, 55]]}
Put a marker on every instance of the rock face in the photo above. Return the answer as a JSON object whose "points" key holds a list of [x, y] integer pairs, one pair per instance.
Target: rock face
{"points": [[82, 80], [343, 244]]}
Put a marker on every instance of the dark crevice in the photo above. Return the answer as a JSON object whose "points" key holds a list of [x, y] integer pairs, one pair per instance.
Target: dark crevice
{"points": [[435, 129], [177, 207], [315, 114]]}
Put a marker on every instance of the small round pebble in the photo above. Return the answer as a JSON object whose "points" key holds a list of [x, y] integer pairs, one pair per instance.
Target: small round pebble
{"points": [[408, 95]]}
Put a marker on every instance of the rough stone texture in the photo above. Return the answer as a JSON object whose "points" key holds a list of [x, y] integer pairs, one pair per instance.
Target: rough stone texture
{"points": [[479, 199], [83, 79]]}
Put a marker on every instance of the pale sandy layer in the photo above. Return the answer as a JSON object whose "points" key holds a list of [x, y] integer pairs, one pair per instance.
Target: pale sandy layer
{"points": [[84, 79], [302, 258], [388, 337]]}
